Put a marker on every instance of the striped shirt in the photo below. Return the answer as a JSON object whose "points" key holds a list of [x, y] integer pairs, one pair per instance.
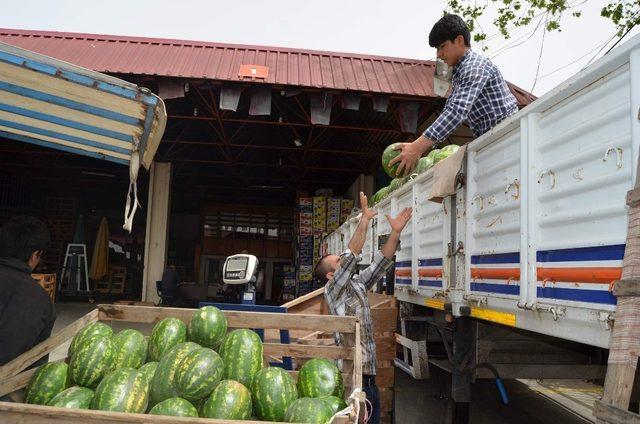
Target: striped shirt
{"points": [[479, 95], [346, 295]]}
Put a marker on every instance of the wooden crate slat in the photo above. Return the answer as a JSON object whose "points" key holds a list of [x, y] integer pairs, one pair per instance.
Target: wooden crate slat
{"points": [[23, 361], [32, 414], [234, 319], [308, 351], [16, 382]]}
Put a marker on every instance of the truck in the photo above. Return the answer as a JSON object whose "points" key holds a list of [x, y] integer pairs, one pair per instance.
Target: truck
{"points": [[512, 275]]}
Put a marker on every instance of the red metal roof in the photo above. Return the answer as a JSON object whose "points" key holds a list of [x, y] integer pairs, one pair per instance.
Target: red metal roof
{"points": [[216, 61]]}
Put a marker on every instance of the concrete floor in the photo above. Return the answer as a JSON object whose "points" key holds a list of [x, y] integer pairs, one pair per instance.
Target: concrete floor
{"points": [[426, 402]]}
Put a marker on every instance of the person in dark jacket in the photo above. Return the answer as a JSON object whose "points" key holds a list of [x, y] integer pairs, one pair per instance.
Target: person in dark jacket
{"points": [[26, 312]]}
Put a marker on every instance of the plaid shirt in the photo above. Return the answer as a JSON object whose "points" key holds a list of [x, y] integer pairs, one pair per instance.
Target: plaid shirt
{"points": [[479, 95], [346, 294]]}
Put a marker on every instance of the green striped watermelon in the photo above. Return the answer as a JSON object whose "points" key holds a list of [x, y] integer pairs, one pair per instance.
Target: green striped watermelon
{"points": [[165, 335], [424, 164], [308, 410], [123, 390], [273, 390], [148, 370], [88, 331], [91, 360], [396, 183], [242, 355], [198, 373], [162, 384], [129, 349], [75, 397], [207, 327], [230, 400], [335, 403], [47, 382], [175, 407], [388, 154], [320, 377]]}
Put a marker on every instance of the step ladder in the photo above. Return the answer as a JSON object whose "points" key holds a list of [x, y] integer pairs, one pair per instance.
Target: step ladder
{"points": [[74, 272]]}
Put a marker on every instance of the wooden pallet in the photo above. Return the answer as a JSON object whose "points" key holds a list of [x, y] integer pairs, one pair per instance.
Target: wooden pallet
{"points": [[13, 378], [48, 283]]}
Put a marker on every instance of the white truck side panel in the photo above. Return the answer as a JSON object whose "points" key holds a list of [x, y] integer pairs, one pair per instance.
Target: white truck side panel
{"points": [[538, 232]]}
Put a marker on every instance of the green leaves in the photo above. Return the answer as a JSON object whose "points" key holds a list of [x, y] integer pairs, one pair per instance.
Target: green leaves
{"points": [[513, 14]]}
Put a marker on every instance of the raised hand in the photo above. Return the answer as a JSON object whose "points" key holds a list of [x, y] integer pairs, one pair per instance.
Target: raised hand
{"points": [[400, 221], [367, 213]]}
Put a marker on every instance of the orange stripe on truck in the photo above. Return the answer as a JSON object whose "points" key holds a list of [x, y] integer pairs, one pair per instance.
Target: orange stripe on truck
{"points": [[598, 275], [594, 275], [403, 273], [430, 272]]}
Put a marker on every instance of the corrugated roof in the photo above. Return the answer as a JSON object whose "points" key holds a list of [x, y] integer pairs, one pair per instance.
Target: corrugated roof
{"points": [[217, 61]]}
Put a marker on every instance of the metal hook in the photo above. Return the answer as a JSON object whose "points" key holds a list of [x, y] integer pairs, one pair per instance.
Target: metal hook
{"points": [[618, 151], [515, 184], [552, 177], [480, 201]]}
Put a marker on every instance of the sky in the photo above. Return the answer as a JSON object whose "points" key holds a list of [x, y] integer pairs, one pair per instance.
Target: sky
{"points": [[390, 28]]}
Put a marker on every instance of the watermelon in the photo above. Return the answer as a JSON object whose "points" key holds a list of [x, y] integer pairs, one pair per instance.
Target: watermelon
{"points": [[123, 390], [207, 327], [335, 403], [47, 382], [75, 397], [165, 335], [320, 377], [451, 148], [148, 370], [424, 164], [91, 360], [230, 400], [390, 153], [129, 349], [396, 183], [175, 407], [198, 373], [162, 384], [89, 330], [439, 154], [308, 410], [381, 194], [242, 356], [273, 390]]}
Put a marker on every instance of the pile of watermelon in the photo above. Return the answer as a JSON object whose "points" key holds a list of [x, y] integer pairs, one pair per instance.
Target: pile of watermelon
{"points": [[423, 165], [194, 370]]}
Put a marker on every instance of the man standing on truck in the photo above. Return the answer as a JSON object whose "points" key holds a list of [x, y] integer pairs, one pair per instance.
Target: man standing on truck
{"points": [[346, 293], [479, 93], [26, 312]]}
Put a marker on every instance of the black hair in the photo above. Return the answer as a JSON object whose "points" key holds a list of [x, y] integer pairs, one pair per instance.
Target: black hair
{"points": [[21, 236], [321, 270], [447, 29]]}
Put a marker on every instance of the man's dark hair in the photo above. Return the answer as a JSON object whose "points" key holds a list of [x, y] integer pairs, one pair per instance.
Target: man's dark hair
{"points": [[21, 236], [447, 29], [321, 270]]}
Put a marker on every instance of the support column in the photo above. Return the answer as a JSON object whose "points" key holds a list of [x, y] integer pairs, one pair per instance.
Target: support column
{"points": [[157, 232]]}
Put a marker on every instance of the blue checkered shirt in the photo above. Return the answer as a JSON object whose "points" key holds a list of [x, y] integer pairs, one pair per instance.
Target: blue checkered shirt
{"points": [[479, 95], [346, 294]]}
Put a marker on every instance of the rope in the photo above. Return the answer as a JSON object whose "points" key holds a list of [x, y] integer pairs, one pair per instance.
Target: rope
{"points": [[134, 167]]}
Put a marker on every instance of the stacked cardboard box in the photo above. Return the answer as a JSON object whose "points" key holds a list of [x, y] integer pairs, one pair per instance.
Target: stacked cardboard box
{"points": [[346, 206], [333, 213], [305, 216], [289, 283], [319, 214]]}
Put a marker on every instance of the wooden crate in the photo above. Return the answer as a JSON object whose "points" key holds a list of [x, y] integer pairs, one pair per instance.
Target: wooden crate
{"points": [[384, 311], [48, 283], [13, 378]]}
